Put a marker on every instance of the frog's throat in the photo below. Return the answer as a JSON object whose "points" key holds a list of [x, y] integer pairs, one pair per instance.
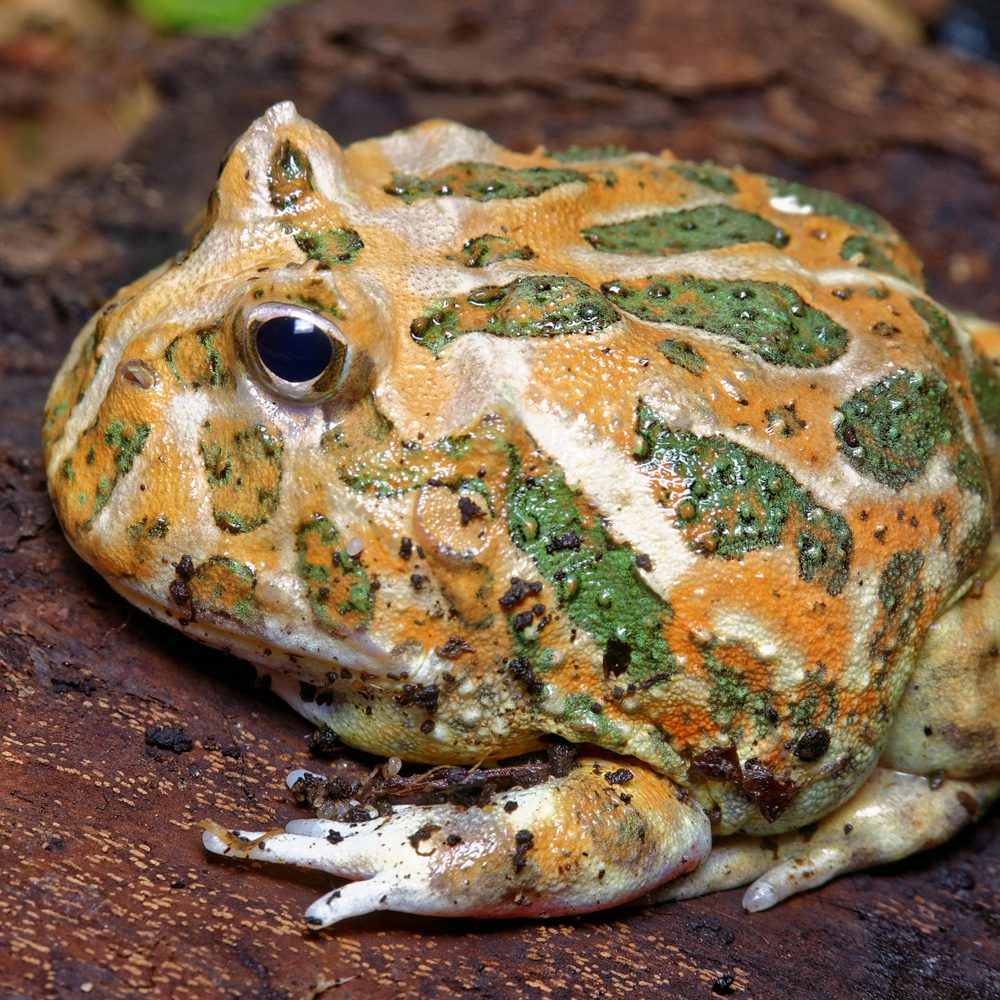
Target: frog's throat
{"points": [[268, 648]]}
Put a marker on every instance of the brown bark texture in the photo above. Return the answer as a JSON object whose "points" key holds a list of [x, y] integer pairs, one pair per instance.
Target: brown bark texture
{"points": [[102, 877]]}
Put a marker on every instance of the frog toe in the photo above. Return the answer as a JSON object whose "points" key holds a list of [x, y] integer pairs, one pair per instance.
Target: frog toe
{"points": [[593, 838]]}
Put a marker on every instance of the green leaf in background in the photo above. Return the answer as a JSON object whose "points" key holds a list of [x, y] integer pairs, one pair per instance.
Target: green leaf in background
{"points": [[204, 16]]}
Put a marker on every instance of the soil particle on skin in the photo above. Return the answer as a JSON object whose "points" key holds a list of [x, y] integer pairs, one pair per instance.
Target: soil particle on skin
{"points": [[525, 840], [518, 590]]}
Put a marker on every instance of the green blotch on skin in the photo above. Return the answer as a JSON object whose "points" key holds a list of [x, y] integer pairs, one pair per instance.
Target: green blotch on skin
{"points": [[828, 203], [986, 390], [901, 595], [225, 586], [771, 320], [488, 249], [534, 305], [578, 154], [334, 581], [144, 530], [244, 474], [317, 305], [579, 717], [732, 696], [66, 471], [78, 379], [734, 501], [862, 251], [126, 442], [289, 177], [332, 246], [195, 361], [819, 706], [938, 325], [682, 353], [706, 227], [483, 182], [403, 466], [891, 428], [707, 175], [594, 578]]}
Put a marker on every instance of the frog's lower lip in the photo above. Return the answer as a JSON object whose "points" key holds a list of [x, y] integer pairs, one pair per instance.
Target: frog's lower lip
{"points": [[269, 649]]}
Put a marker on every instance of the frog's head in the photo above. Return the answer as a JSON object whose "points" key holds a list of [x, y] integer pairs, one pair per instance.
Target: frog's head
{"points": [[249, 442]]}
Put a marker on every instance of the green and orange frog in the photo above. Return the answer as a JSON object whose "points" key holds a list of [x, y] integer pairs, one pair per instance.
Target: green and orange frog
{"points": [[469, 450]]}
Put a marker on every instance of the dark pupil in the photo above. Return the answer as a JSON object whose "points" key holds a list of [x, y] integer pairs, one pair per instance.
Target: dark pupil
{"points": [[293, 349]]}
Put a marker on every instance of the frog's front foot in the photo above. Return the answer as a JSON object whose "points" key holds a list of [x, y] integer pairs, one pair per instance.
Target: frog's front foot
{"points": [[599, 836]]}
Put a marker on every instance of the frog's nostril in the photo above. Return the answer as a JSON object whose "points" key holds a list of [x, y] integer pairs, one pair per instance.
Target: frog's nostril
{"points": [[139, 374]]}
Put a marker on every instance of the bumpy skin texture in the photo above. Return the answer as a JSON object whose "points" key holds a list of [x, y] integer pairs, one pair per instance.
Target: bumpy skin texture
{"points": [[676, 461]]}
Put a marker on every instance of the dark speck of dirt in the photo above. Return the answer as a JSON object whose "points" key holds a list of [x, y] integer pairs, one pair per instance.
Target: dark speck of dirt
{"points": [[168, 738], [324, 743], [723, 986], [525, 840], [619, 777]]}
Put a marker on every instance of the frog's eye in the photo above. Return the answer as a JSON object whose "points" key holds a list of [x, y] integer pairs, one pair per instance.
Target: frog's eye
{"points": [[294, 352]]}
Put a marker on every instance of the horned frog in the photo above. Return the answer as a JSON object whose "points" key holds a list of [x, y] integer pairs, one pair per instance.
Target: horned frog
{"points": [[467, 450]]}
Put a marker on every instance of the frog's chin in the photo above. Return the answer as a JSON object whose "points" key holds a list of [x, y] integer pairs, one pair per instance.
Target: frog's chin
{"points": [[270, 648]]}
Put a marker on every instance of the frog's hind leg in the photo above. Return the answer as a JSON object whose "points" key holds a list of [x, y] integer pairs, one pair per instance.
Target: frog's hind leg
{"points": [[890, 817], [940, 768], [594, 838]]}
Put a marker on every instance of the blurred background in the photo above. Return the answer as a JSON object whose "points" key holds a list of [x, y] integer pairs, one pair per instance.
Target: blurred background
{"points": [[77, 79]]}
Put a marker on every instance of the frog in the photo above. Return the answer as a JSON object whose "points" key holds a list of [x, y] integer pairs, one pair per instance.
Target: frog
{"points": [[475, 454]]}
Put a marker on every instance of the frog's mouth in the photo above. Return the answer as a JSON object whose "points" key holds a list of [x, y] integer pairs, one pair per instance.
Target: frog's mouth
{"points": [[309, 657]]}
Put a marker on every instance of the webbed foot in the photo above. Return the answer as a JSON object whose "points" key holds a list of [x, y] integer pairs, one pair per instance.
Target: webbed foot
{"points": [[599, 836]]}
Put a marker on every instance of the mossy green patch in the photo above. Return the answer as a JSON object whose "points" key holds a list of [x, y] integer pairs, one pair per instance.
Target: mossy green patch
{"points": [[579, 154], [123, 443], [833, 205], [706, 227], [338, 588], [225, 586], [483, 182], [863, 251], [732, 699], [402, 466], [534, 305], [683, 353], [243, 469], [587, 722], [708, 175], [901, 595], [891, 427], [195, 360], [593, 577], [329, 246], [489, 249], [72, 386], [290, 177], [986, 390], [145, 531], [728, 501], [938, 325], [770, 319]]}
